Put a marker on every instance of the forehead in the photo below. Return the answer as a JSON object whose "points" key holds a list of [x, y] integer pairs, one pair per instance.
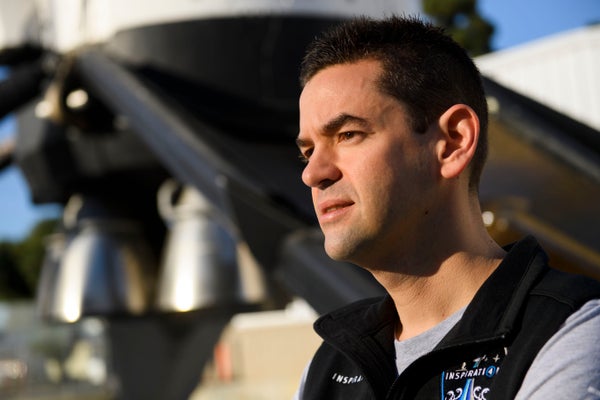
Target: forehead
{"points": [[344, 89], [341, 80]]}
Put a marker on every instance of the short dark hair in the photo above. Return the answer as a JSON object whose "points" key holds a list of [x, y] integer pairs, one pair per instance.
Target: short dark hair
{"points": [[423, 68]]}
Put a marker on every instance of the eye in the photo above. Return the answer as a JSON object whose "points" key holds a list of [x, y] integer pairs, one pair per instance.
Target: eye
{"points": [[305, 155], [347, 135]]}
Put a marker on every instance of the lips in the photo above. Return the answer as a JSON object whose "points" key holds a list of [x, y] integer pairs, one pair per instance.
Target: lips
{"points": [[333, 209], [329, 209]]}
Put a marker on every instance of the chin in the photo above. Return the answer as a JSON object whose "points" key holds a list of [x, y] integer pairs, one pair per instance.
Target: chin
{"points": [[334, 252], [340, 251]]}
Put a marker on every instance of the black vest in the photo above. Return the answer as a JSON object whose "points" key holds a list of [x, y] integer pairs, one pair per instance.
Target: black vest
{"points": [[487, 353]]}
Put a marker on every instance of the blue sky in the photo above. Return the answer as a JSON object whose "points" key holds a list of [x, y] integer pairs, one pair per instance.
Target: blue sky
{"points": [[520, 21], [516, 22], [17, 213]]}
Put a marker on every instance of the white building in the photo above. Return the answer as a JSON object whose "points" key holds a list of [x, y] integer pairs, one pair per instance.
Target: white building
{"points": [[560, 71]]}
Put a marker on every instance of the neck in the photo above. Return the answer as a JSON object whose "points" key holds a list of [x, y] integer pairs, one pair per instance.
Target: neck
{"points": [[422, 302], [435, 278]]}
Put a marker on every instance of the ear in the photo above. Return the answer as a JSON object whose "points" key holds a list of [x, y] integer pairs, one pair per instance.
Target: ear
{"points": [[459, 129]]}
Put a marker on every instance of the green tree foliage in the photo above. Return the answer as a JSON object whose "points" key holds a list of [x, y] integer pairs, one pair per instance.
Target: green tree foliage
{"points": [[21, 263], [461, 19], [12, 283]]}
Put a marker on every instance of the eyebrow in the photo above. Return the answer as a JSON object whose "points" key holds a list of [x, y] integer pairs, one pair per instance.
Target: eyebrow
{"points": [[335, 124]]}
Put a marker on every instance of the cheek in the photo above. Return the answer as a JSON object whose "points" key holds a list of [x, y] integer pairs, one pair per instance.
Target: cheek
{"points": [[395, 179], [380, 183]]}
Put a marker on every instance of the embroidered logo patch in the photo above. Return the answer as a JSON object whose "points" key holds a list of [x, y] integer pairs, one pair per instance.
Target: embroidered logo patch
{"points": [[472, 379]]}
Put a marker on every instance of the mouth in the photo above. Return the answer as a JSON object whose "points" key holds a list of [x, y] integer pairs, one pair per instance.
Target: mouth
{"points": [[333, 209]]}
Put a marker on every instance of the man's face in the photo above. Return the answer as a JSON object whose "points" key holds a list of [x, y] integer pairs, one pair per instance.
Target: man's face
{"points": [[371, 176]]}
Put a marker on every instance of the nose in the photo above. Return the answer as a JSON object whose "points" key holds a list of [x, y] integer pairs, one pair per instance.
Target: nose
{"points": [[321, 170]]}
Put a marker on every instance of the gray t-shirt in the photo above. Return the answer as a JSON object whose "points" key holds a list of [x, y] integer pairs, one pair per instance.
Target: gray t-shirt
{"points": [[411, 349], [567, 366]]}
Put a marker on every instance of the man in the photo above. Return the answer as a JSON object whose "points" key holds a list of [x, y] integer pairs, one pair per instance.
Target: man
{"points": [[393, 123]]}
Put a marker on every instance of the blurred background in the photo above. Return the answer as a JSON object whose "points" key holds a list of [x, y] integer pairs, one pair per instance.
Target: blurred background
{"points": [[155, 239]]}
